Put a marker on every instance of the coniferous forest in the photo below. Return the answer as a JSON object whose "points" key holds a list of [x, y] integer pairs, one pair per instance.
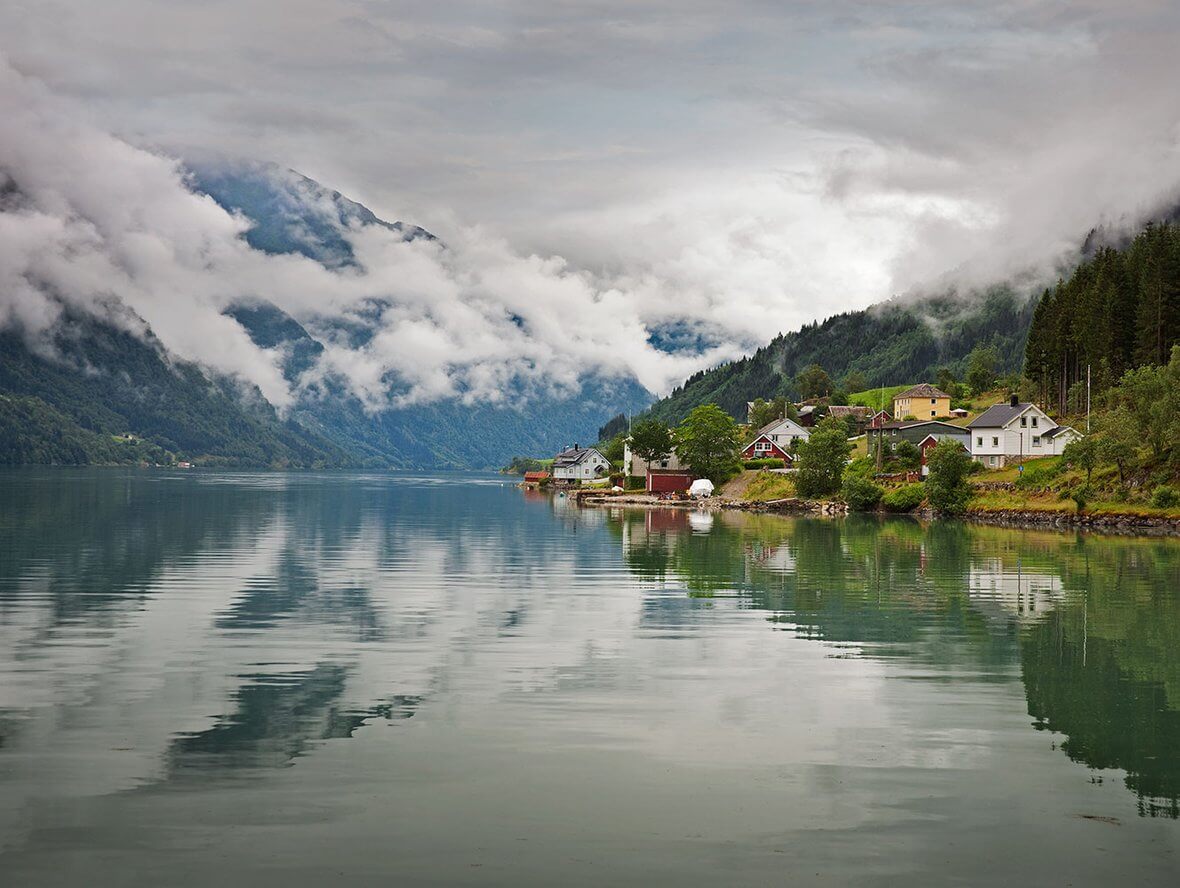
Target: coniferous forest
{"points": [[1120, 309]]}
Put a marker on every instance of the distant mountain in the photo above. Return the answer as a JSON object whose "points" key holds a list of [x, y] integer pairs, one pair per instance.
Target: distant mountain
{"points": [[893, 342], [443, 434], [104, 383], [100, 394], [290, 212]]}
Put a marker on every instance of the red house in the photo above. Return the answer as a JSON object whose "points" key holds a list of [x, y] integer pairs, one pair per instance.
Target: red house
{"points": [[774, 440], [535, 477]]}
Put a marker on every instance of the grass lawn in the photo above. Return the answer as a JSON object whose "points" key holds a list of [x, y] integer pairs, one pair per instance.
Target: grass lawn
{"points": [[766, 486], [878, 398]]}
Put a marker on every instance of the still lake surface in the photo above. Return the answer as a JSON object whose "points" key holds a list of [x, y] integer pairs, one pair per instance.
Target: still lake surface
{"points": [[297, 679]]}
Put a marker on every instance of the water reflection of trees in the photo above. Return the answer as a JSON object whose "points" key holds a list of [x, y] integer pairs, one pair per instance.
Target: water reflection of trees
{"points": [[1094, 622]]}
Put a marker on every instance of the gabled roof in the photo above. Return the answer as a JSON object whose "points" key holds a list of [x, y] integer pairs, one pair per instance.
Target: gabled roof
{"points": [[573, 456], [1059, 430], [998, 416], [922, 390], [771, 426], [945, 427], [940, 436], [852, 410]]}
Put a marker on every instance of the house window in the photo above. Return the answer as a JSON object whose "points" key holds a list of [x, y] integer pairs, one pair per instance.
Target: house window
{"points": [[995, 442], [931, 412], [1034, 422], [933, 401], [991, 460], [663, 464], [1036, 440], [979, 441], [1024, 422]]}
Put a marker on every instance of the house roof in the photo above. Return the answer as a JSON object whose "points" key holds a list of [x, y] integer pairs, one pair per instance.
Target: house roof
{"points": [[940, 436], [853, 410], [573, 456], [535, 476], [945, 427], [998, 416], [771, 426], [922, 390], [1059, 430]]}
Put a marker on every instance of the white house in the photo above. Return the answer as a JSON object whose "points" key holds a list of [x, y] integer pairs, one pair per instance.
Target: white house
{"points": [[580, 464], [1014, 432], [774, 440]]}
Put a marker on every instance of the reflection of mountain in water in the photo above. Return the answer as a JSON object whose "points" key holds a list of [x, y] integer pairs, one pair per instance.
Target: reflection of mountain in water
{"points": [[276, 719], [1094, 622]]}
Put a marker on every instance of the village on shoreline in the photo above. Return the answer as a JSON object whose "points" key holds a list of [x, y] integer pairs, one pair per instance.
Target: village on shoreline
{"points": [[925, 450]]}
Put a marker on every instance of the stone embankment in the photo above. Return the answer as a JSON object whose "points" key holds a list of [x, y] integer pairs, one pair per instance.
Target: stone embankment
{"points": [[1107, 523]]}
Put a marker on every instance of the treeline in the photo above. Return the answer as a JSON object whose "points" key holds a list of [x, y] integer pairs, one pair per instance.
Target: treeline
{"points": [[105, 382], [1118, 310], [881, 345]]}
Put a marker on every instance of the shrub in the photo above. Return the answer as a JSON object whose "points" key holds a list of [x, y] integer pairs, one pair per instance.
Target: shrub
{"points": [[1165, 497], [822, 458], [904, 499], [861, 494], [947, 488], [766, 463], [1040, 472], [635, 482]]}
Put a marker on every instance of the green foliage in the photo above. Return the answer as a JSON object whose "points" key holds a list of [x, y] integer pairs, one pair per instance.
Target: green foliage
{"points": [[1084, 453], [982, 365], [878, 398], [854, 381], [861, 494], [171, 406], [708, 442], [904, 499], [767, 463], [613, 449], [893, 341], [616, 425], [518, 465], [822, 458], [1118, 310], [767, 486], [907, 455], [814, 382], [1166, 497], [765, 412], [947, 488], [1040, 472], [651, 439]]}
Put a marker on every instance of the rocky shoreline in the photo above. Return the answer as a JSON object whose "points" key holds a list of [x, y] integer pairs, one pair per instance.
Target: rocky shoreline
{"points": [[1030, 519]]}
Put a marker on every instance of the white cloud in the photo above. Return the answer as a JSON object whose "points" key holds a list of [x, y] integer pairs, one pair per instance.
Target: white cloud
{"points": [[738, 169]]}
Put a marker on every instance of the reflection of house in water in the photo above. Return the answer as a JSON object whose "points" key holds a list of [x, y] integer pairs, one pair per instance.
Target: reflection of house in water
{"points": [[1003, 592], [777, 559]]}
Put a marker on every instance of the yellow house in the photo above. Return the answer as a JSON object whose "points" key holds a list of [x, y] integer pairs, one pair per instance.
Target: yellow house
{"points": [[921, 402]]}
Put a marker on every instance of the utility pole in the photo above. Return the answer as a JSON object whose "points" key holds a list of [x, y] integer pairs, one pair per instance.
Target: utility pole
{"points": [[1087, 399]]}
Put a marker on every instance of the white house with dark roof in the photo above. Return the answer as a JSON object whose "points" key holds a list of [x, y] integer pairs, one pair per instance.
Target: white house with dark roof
{"points": [[1014, 432], [774, 440], [580, 464]]}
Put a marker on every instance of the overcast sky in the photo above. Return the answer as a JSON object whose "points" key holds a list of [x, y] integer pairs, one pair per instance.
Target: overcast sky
{"points": [[745, 166]]}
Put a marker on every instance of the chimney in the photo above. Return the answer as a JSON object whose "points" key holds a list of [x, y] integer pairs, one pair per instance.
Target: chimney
{"points": [[1014, 401]]}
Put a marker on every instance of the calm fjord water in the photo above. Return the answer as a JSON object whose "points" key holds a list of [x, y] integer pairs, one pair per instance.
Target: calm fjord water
{"points": [[286, 679]]}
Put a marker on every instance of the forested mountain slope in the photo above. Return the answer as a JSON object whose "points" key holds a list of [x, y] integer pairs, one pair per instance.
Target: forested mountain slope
{"points": [[889, 343], [1120, 309], [104, 382]]}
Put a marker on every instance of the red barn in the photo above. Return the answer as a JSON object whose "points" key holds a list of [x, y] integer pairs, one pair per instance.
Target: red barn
{"points": [[668, 481], [535, 477]]}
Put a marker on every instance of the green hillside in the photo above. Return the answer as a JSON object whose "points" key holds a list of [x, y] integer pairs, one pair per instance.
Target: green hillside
{"points": [[890, 343], [105, 382]]}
